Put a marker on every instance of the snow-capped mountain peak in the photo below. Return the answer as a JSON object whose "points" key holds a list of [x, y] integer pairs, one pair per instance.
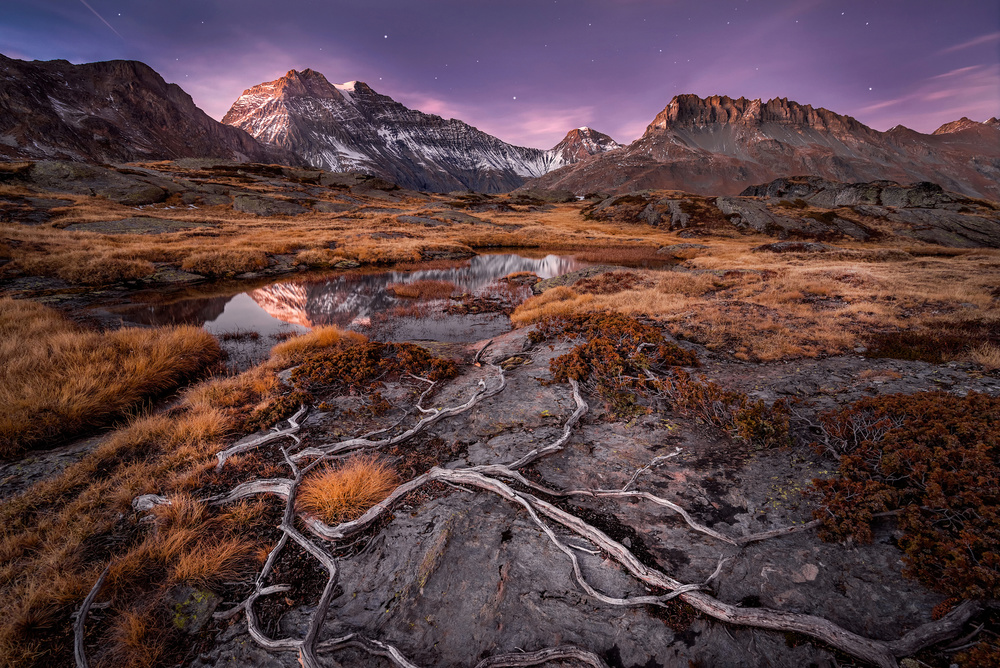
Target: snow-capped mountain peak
{"points": [[351, 127]]}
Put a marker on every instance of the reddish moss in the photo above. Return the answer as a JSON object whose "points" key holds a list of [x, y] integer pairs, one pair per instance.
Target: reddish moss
{"points": [[276, 410], [753, 421], [360, 368], [613, 359], [934, 459]]}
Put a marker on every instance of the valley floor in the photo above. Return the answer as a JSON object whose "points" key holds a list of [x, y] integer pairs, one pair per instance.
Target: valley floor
{"points": [[735, 354]]}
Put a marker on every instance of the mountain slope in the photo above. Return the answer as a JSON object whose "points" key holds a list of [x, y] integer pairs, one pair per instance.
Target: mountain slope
{"points": [[349, 126], [114, 111], [720, 145]]}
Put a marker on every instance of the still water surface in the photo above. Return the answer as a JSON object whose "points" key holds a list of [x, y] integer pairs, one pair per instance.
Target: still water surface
{"points": [[357, 301]]}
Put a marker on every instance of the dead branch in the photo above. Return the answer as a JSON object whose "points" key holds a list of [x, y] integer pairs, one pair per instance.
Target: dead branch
{"points": [[562, 653], [934, 632], [254, 443], [479, 355], [435, 415], [79, 626], [649, 467], [581, 408]]}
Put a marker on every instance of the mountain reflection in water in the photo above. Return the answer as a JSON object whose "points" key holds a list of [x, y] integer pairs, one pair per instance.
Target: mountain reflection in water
{"points": [[356, 300]]}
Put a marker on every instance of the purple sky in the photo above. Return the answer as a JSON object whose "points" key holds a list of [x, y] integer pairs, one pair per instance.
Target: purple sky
{"points": [[527, 71]]}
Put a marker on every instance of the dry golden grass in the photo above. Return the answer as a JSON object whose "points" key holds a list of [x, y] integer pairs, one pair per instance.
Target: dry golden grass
{"points": [[237, 242], [554, 302], [423, 289], [212, 561], [226, 262], [294, 350], [344, 493], [54, 537], [56, 379], [987, 355], [765, 306]]}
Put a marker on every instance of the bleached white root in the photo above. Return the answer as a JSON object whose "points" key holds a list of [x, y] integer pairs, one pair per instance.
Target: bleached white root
{"points": [[432, 416], [487, 478], [79, 626], [289, 432]]}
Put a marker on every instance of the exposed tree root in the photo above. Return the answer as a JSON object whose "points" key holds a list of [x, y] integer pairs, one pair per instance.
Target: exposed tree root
{"points": [[253, 444], [432, 416], [487, 478], [79, 626], [564, 653]]}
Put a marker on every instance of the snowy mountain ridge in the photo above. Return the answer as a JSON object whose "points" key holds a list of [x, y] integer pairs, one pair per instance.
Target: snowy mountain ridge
{"points": [[351, 127]]}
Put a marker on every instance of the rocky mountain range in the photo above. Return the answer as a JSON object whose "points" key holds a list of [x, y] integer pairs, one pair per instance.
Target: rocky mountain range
{"points": [[123, 111], [113, 111], [721, 145], [350, 127]]}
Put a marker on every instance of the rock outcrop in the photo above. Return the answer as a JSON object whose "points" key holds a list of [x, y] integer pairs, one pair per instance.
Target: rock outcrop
{"points": [[111, 112], [719, 145], [810, 207], [350, 127]]}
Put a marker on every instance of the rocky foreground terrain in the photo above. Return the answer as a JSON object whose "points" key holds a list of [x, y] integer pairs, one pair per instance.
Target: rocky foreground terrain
{"points": [[458, 574]]}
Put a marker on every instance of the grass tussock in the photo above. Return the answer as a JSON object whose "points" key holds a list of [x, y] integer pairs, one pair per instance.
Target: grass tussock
{"points": [[988, 355], [344, 493], [423, 289], [225, 262], [57, 380], [295, 350], [557, 302], [88, 268]]}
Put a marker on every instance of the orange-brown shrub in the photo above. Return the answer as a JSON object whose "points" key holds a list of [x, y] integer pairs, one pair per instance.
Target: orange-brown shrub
{"points": [[225, 262], [344, 493], [423, 289], [613, 359], [933, 459]]}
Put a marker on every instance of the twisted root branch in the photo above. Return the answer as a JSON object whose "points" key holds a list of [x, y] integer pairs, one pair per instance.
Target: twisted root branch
{"points": [[486, 477]]}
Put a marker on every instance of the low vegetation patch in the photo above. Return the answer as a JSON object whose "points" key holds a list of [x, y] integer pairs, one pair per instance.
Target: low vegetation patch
{"points": [[57, 537], [932, 460], [755, 422], [423, 289], [343, 493], [225, 262], [941, 340], [614, 358], [57, 379]]}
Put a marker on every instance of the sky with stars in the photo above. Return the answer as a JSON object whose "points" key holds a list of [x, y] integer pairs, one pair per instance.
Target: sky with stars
{"points": [[527, 71]]}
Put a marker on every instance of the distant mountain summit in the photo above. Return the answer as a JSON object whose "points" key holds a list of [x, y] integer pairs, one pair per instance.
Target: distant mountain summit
{"points": [[720, 145], [580, 144], [114, 111], [349, 126]]}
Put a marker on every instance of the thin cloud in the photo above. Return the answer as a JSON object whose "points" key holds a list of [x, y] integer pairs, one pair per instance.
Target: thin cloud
{"points": [[540, 127], [977, 41], [931, 103]]}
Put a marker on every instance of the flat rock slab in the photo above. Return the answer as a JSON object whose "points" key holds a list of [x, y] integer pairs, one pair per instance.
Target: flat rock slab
{"points": [[421, 220], [574, 276], [266, 206], [333, 207], [138, 225]]}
